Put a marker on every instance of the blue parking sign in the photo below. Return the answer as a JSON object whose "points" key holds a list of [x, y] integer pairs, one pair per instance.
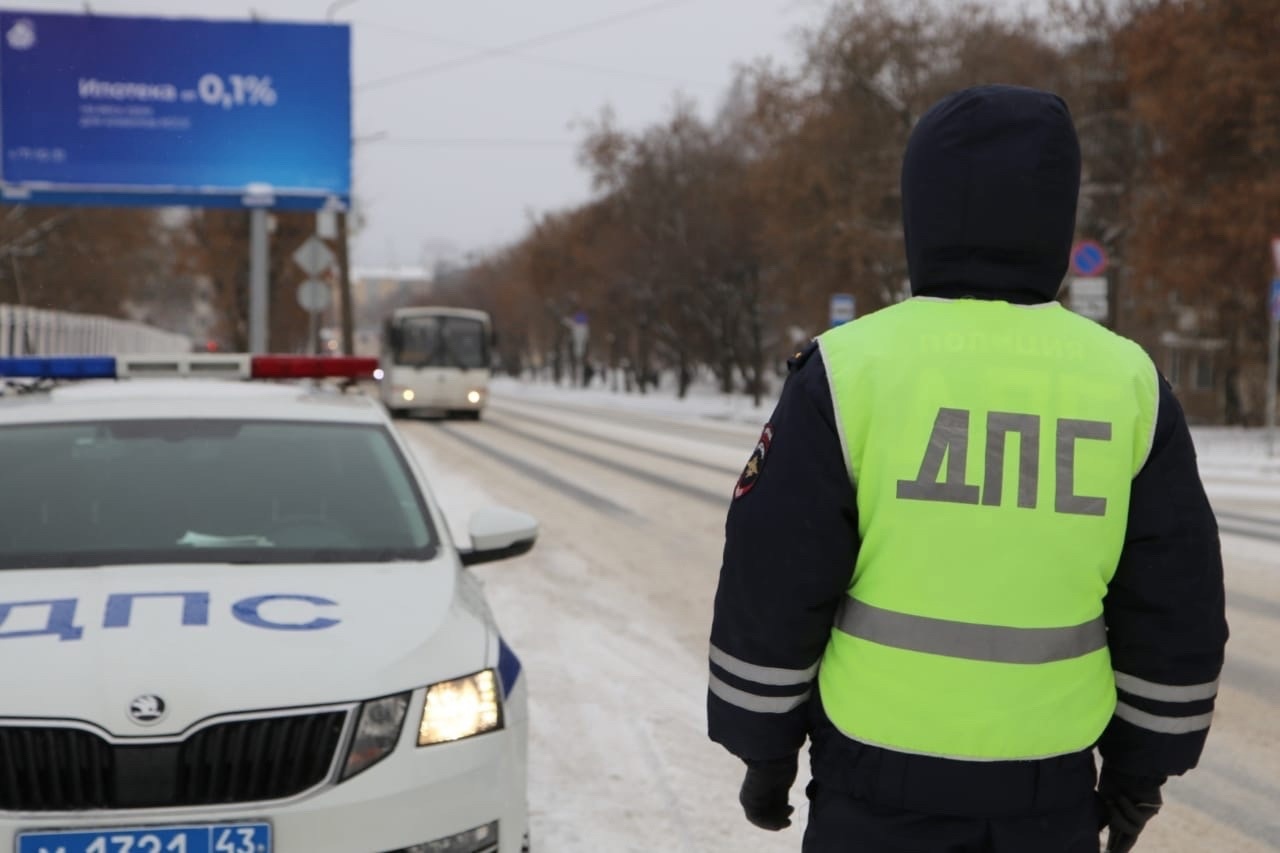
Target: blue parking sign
{"points": [[843, 308]]}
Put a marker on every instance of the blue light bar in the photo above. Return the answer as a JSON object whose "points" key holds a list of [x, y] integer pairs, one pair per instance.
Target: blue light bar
{"points": [[59, 367]]}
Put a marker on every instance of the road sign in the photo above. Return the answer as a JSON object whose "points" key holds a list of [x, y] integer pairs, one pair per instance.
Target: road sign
{"points": [[1275, 299], [313, 296], [1275, 252], [1088, 258], [106, 109], [1089, 297], [843, 308], [327, 224], [314, 256], [579, 333]]}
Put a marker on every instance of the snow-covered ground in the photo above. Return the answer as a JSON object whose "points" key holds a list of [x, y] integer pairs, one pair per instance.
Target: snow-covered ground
{"points": [[1233, 446], [1234, 461], [611, 613], [704, 402]]}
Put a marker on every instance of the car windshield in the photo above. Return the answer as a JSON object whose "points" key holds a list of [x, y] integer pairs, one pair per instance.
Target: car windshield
{"points": [[442, 342], [182, 491]]}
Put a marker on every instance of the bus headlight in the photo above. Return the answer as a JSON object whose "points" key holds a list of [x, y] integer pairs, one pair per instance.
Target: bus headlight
{"points": [[407, 394], [473, 397], [460, 708]]}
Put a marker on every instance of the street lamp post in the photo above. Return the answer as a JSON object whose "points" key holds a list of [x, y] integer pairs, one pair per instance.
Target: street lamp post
{"points": [[344, 259], [344, 263]]}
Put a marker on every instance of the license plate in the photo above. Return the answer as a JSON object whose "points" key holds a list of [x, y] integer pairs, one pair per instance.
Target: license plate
{"points": [[207, 838]]}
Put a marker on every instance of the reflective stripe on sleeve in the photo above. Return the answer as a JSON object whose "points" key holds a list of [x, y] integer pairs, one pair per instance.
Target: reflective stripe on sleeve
{"points": [[1166, 692], [1163, 725], [773, 676], [752, 702], [994, 643]]}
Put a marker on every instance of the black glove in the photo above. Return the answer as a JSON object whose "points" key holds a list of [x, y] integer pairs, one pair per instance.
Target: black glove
{"points": [[1129, 802], [766, 790]]}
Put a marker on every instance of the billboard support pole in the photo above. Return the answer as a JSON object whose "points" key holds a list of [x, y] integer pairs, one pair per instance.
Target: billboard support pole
{"points": [[344, 286], [258, 260]]}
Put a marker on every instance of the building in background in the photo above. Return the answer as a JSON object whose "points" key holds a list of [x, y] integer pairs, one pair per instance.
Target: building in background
{"points": [[1195, 363], [375, 293]]}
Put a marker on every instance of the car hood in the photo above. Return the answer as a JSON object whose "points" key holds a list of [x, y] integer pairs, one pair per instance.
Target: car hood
{"points": [[83, 644]]}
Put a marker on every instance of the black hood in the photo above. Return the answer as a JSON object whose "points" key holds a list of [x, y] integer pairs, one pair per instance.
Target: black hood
{"points": [[989, 187]]}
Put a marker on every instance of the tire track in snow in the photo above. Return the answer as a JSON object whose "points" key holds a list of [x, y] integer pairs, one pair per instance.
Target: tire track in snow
{"points": [[1249, 533], [625, 445], [1251, 526], [662, 777], [1252, 519], [539, 474], [1256, 679], [729, 436], [716, 499], [1241, 817], [1253, 604]]}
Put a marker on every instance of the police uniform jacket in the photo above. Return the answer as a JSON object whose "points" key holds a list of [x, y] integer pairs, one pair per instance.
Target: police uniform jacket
{"points": [[988, 214]]}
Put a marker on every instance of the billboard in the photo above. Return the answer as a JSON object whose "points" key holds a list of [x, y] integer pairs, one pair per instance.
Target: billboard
{"points": [[96, 109]]}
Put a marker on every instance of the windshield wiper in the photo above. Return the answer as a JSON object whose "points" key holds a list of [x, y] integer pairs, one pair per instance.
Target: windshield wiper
{"points": [[327, 556], [193, 539]]}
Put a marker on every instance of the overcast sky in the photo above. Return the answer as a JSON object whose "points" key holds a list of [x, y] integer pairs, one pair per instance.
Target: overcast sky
{"points": [[457, 159]]}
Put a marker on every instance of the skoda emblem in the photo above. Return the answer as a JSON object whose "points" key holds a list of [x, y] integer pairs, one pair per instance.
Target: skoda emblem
{"points": [[147, 710]]}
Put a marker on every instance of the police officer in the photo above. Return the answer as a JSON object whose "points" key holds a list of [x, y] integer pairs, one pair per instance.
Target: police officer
{"points": [[972, 544]]}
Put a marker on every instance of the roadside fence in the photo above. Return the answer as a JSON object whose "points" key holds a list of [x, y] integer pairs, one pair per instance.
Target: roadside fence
{"points": [[35, 331]]}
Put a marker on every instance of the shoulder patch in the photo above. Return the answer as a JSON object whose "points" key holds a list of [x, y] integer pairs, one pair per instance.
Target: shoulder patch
{"points": [[797, 361], [751, 473]]}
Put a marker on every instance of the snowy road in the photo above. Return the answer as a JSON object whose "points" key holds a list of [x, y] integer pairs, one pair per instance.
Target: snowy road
{"points": [[611, 614]]}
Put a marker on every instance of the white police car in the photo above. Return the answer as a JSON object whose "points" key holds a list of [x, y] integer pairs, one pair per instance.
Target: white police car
{"points": [[232, 621]]}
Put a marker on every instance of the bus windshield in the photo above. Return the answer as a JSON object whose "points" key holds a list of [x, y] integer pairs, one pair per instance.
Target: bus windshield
{"points": [[457, 342]]}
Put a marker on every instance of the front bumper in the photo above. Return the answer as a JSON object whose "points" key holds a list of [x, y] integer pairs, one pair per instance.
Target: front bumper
{"points": [[414, 796], [435, 397]]}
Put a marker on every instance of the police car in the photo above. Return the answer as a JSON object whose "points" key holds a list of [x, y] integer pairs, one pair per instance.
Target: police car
{"points": [[232, 620]]}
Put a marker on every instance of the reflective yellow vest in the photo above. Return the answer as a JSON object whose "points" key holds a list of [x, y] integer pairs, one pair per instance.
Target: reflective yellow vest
{"points": [[992, 447]]}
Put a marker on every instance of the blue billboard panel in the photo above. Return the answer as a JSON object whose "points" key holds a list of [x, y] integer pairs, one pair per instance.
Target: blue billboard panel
{"points": [[97, 109]]}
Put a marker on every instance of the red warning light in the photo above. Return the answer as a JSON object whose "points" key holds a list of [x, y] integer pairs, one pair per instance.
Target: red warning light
{"points": [[312, 367]]}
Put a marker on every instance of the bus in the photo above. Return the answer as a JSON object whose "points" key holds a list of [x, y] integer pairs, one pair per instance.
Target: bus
{"points": [[436, 360]]}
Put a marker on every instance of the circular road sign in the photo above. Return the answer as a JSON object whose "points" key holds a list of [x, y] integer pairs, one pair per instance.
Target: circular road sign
{"points": [[313, 295], [1088, 258]]}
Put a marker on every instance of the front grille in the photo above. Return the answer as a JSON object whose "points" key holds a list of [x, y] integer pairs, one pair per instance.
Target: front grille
{"points": [[55, 769]]}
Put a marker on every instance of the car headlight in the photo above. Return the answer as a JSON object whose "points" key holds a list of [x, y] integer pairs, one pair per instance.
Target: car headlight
{"points": [[460, 708], [381, 721]]}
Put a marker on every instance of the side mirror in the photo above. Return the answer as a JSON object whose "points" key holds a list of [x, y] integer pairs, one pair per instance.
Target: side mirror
{"points": [[497, 534]]}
